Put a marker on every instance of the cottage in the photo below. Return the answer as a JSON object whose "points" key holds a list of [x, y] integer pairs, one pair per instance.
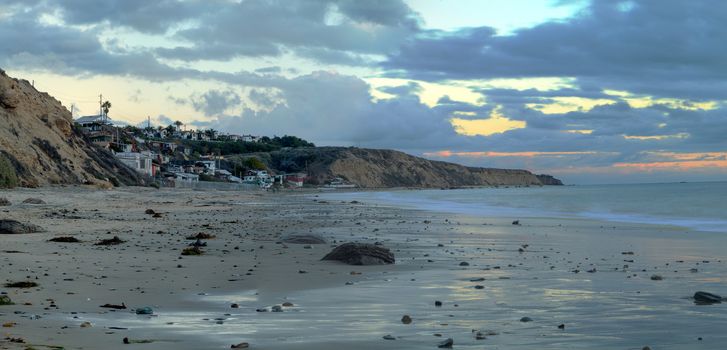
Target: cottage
{"points": [[141, 162]]}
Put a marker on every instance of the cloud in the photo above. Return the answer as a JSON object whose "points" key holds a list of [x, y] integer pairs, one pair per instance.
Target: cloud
{"points": [[667, 48], [215, 102]]}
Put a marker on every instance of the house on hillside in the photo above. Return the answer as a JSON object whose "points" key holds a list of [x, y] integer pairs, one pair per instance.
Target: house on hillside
{"points": [[139, 161], [98, 128]]}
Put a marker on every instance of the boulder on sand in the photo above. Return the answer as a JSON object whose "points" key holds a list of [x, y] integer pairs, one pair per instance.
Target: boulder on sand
{"points": [[361, 254], [4, 202], [704, 298], [304, 239], [12, 227]]}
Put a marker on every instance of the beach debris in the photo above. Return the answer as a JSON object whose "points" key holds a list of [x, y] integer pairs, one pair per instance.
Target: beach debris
{"points": [[705, 298], [9, 324], [242, 345], [406, 319], [201, 235], [22, 284], [65, 239], [12, 227], [144, 311], [4, 202], [516, 222], [304, 239], [198, 243], [114, 306], [389, 337], [446, 344], [5, 300], [192, 251], [361, 254], [526, 319], [110, 241], [656, 277], [34, 201]]}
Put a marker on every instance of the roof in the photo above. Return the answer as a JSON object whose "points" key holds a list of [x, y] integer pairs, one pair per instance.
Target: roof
{"points": [[93, 119]]}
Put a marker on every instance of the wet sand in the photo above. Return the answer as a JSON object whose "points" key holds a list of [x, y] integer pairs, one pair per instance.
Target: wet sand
{"points": [[538, 269]]}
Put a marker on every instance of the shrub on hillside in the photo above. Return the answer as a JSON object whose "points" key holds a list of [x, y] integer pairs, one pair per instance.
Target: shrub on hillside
{"points": [[8, 178]]}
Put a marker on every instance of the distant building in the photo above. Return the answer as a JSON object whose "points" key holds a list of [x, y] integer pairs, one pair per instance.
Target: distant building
{"points": [[141, 162], [98, 128]]}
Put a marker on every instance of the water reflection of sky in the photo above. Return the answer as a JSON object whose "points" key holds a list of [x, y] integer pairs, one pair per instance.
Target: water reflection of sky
{"points": [[611, 308]]}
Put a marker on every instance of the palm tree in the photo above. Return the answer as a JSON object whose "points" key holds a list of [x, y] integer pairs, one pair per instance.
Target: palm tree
{"points": [[178, 124], [105, 107]]}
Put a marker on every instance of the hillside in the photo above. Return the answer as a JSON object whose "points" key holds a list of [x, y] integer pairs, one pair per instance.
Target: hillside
{"points": [[373, 168], [38, 139]]}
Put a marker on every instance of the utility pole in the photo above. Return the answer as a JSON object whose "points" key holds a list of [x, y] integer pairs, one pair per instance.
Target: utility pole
{"points": [[100, 107], [72, 107]]}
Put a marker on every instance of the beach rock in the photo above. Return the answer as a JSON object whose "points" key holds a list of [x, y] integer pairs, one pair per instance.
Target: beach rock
{"points": [[464, 263], [22, 284], [149, 211], [304, 239], [288, 304], [526, 319], [144, 311], [64, 239], [361, 254], [198, 243], [114, 306], [192, 251], [656, 278], [5, 300], [704, 298], [86, 324], [561, 326], [240, 346], [34, 201], [446, 344], [516, 222], [111, 241], [389, 337], [406, 319], [437, 303], [276, 308], [201, 235], [12, 227], [4, 202]]}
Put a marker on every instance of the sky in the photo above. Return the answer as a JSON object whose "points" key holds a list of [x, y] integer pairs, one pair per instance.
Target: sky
{"points": [[600, 91]]}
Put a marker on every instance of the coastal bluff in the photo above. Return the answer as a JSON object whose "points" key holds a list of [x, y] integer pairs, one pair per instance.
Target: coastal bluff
{"points": [[41, 145], [378, 168]]}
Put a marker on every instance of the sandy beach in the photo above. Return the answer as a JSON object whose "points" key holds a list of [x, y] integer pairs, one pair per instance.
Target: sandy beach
{"points": [[576, 283]]}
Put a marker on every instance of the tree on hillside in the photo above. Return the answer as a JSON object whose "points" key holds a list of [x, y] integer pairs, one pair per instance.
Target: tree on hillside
{"points": [[178, 124], [105, 108]]}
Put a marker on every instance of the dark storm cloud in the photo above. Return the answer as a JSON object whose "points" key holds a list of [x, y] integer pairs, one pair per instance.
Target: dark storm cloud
{"points": [[663, 47]]}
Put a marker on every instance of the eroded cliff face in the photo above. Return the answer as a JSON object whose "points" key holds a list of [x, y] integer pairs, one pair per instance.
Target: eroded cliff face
{"points": [[38, 137], [373, 168]]}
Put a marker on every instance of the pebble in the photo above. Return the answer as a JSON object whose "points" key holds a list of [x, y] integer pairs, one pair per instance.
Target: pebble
{"points": [[406, 319]]}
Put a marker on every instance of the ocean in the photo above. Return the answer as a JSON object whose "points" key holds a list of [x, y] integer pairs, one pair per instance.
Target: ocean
{"points": [[698, 206]]}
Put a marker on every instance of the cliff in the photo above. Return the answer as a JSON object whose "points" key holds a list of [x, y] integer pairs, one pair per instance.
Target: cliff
{"points": [[373, 168], [549, 180], [38, 139]]}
